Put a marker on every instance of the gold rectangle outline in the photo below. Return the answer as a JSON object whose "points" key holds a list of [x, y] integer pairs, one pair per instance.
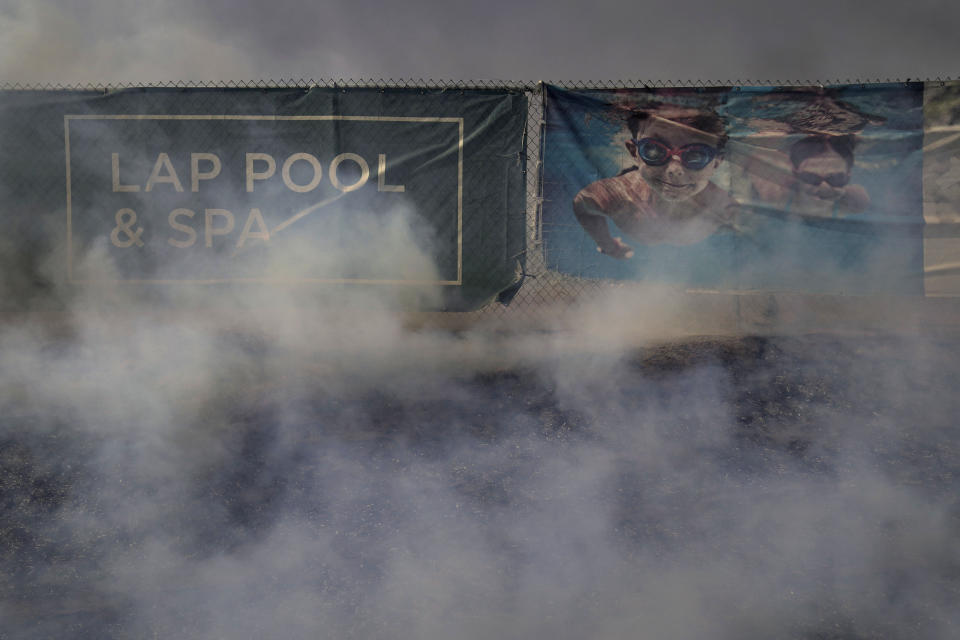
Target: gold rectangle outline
{"points": [[137, 116]]}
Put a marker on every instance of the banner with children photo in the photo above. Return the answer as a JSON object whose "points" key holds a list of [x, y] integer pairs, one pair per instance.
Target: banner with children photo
{"points": [[808, 189]]}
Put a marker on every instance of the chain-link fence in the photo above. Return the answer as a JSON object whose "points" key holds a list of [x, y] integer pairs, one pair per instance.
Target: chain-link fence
{"points": [[542, 287]]}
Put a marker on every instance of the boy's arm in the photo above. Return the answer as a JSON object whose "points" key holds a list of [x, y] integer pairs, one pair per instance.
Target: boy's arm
{"points": [[594, 221], [855, 198], [770, 175]]}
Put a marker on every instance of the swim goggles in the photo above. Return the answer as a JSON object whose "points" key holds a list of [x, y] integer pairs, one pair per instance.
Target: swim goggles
{"points": [[692, 156], [835, 180]]}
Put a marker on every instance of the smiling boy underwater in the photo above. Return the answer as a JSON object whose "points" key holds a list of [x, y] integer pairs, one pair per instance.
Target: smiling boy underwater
{"points": [[667, 197]]}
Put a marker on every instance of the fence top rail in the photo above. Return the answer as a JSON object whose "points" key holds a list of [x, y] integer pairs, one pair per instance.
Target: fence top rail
{"points": [[430, 83]]}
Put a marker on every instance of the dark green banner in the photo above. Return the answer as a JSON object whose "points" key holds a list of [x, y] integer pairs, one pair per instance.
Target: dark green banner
{"points": [[377, 188]]}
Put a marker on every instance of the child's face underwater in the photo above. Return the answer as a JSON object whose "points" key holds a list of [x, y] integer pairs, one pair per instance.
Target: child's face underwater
{"points": [[672, 181], [828, 165]]}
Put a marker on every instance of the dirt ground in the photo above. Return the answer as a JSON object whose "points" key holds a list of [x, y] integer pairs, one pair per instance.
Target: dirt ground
{"points": [[814, 416]]}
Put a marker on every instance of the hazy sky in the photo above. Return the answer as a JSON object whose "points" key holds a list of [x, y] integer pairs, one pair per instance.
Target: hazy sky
{"points": [[60, 41]]}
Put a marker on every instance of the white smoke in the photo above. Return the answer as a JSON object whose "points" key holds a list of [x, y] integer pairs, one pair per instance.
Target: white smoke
{"points": [[257, 463], [325, 471]]}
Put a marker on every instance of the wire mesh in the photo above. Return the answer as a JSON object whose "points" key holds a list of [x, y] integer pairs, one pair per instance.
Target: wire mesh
{"points": [[542, 287]]}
